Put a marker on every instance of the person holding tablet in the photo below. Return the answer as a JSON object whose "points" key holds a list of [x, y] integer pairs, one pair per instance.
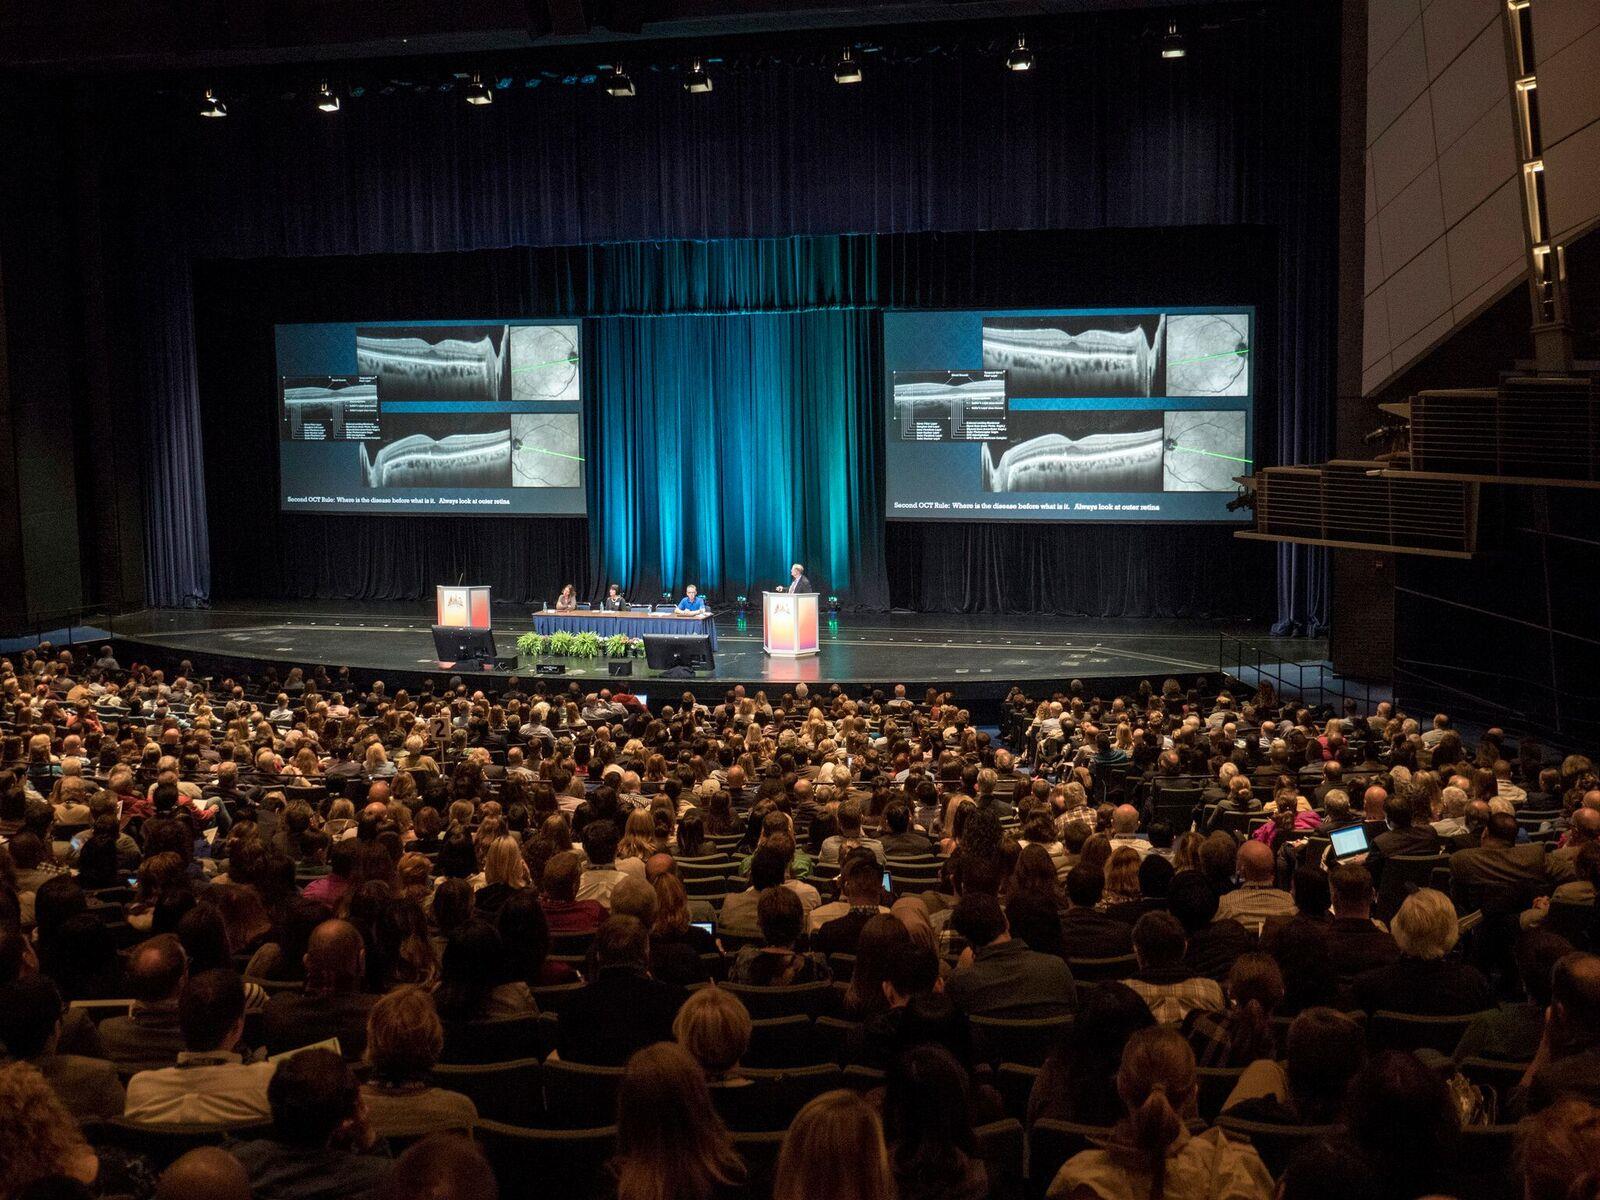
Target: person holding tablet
{"points": [[692, 601]]}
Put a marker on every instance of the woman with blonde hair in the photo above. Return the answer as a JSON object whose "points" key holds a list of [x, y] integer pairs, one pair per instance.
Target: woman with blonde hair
{"points": [[638, 836], [404, 1040], [834, 1150], [671, 1145], [715, 1028], [1151, 1154], [504, 872], [1122, 878], [39, 1138]]}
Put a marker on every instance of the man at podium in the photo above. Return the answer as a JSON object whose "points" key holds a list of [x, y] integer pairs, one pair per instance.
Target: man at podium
{"points": [[692, 602], [797, 580]]}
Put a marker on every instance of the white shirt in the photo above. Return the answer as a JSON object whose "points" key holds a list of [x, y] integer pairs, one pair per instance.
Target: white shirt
{"points": [[210, 1088], [599, 884]]}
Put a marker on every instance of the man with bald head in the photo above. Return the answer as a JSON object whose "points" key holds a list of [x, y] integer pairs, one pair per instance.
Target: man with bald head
{"points": [[1582, 828], [206, 1173], [332, 1004], [1257, 897], [1125, 829]]}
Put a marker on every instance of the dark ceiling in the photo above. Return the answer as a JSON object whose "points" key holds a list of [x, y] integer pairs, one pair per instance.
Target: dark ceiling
{"points": [[100, 36]]}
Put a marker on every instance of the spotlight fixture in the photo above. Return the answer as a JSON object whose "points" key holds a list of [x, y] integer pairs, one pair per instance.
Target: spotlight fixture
{"points": [[478, 92], [1172, 44], [847, 69], [619, 83], [697, 81], [327, 99], [211, 106], [1020, 58]]}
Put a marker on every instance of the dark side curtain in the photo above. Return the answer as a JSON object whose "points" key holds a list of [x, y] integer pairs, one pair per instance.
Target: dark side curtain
{"points": [[1104, 134]]}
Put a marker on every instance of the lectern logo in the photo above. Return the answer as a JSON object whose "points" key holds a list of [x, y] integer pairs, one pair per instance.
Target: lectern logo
{"points": [[454, 602]]}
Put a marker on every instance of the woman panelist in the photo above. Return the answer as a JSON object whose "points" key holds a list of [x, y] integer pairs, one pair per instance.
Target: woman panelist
{"points": [[568, 600]]}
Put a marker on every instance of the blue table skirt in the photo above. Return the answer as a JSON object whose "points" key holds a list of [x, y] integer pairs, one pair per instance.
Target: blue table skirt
{"points": [[631, 624]]}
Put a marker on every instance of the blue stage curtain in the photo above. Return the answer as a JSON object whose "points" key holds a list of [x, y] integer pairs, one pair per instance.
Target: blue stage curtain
{"points": [[733, 446], [1104, 134]]}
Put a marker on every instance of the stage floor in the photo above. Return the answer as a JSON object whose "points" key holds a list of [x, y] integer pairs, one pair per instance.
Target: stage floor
{"points": [[974, 654]]}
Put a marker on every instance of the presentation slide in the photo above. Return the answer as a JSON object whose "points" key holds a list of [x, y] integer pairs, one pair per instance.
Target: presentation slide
{"points": [[449, 416], [1074, 415]]}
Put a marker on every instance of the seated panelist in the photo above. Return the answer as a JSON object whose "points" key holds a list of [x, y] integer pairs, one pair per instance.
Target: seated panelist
{"points": [[567, 601], [614, 601], [692, 602]]}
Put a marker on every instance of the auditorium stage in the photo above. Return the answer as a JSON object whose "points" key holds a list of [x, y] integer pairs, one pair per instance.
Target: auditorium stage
{"points": [[979, 656]]}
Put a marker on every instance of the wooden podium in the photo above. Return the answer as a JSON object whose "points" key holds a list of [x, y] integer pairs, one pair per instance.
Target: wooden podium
{"points": [[789, 624], [462, 607]]}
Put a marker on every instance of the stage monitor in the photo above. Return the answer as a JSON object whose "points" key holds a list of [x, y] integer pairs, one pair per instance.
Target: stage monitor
{"points": [[1071, 415], [664, 651], [455, 644], [439, 417]]}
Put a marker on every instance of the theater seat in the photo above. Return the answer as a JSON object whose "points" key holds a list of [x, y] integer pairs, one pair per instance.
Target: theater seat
{"points": [[808, 999], [1002, 1146], [502, 1040], [778, 1042], [1014, 1082], [760, 1154], [159, 1145], [1407, 1031], [580, 1096], [1275, 1144], [1025, 1040], [770, 1099], [1051, 1143], [547, 1162], [508, 1091]]}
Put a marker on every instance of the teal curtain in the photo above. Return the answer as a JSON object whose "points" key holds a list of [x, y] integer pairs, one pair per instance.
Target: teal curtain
{"points": [[728, 447]]}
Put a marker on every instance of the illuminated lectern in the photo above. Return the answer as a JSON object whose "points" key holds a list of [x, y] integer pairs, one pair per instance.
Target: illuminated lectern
{"points": [[789, 624], [462, 607]]}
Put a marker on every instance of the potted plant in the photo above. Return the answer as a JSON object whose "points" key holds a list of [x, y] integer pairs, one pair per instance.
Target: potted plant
{"points": [[531, 645], [560, 644], [585, 645], [618, 645]]}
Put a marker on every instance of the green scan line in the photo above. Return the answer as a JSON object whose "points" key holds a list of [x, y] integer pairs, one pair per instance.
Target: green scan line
{"points": [[1211, 454], [570, 360], [558, 454], [1203, 357]]}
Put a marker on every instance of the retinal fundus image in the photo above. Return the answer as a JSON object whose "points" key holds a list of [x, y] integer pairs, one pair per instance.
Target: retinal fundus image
{"points": [[1204, 451], [544, 362], [1208, 354], [544, 450]]}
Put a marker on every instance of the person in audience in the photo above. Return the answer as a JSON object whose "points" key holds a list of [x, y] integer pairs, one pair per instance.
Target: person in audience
{"points": [[1000, 977], [318, 1149], [1423, 981], [504, 872], [1324, 1051], [1574, 900], [1213, 945], [601, 875], [834, 1150], [1165, 981], [1511, 1032], [1498, 875], [1257, 899], [1400, 1117], [1122, 879], [671, 1145], [39, 1140], [1150, 1151], [910, 974], [442, 1166], [1568, 1059], [672, 960], [332, 1005], [900, 839], [1583, 829], [776, 962], [1077, 1081], [157, 971], [204, 1173], [1087, 932], [1400, 837], [1243, 1032], [476, 982], [714, 1027], [31, 1012], [404, 1040], [927, 1124], [621, 1009], [880, 936], [1558, 1152], [525, 934], [738, 917], [1356, 943], [835, 928], [212, 1084], [565, 913]]}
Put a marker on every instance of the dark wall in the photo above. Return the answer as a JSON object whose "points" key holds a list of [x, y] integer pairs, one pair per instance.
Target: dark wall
{"points": [[1512, 635]]}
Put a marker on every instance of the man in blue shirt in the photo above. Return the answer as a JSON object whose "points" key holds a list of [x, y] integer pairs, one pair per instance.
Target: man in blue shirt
{"points": [[692, 601]]}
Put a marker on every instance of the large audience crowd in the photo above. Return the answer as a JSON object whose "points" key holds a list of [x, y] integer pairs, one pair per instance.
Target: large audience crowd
{"points": [[290, 937]]}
